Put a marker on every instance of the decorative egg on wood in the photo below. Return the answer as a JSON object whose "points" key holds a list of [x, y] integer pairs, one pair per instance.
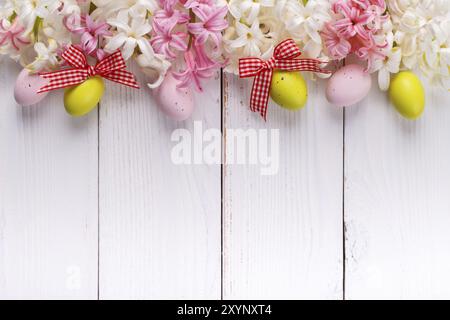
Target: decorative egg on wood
{"points": [[26, 88], [348, 86], [289, 90], [407, 94], [176, 103], [81, 99]]}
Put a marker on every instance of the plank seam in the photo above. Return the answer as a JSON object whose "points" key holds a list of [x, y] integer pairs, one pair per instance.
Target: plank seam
{"points": [[344, 249], [222, 173], [98, 202], [343, 208]]}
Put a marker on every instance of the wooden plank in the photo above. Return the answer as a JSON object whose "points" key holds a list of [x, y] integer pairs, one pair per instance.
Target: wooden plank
{"points": [[159, 222], [48, 198], [397, 200], [283, 232]]}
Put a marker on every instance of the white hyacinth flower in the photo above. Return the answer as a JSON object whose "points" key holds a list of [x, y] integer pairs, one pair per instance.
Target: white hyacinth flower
{"points": [[390, 65], [131, 33], [47, 56]]}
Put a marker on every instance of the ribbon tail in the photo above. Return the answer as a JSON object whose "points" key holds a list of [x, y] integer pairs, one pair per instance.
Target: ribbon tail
{"points": [[312, 65], [316, 69], [62, 79], [260, 93], [123, 77]]}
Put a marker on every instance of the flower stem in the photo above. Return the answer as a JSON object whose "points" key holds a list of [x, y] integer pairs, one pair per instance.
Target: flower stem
{"points": [[36, 27]]}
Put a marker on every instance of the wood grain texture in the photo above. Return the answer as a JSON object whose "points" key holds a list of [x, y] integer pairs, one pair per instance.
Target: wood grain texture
{"points": [[283, 233], [159, 222], [48, 198], [397, 200]]}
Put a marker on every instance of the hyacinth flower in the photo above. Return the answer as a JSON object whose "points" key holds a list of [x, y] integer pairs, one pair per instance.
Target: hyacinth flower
{"points": [[357, 28], [90, 32], [353, 21], [170, 14], [195, 28], [211, 25], [338, 47], [166, 40], [131, 33], [12, 34], [196, 3], [198, 66]]}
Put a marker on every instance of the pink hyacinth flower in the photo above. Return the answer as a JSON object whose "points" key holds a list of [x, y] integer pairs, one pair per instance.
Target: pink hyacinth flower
{"points": [[198, 66], [189, 4], [337, 46], [90, 31], [12, 33], [212, 24], [355, 26], [371, 53], [354, 19], [169, 14], [165, 41]]}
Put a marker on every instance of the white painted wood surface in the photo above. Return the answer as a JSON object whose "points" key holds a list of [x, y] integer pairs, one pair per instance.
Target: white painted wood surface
{"points": [[160, 223], [397, 200], [93, 207], [283, 233], [48, 198]]}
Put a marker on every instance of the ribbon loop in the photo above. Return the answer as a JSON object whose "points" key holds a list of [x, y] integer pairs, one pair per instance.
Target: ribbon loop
{"points": [[111, 68], [250, 67], [74, 57], [284, 58], [287, 50]]}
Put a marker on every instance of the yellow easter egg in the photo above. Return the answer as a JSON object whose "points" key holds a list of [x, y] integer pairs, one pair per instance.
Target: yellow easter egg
{"points": [[81, 99], [289, 90], [407, 95]]}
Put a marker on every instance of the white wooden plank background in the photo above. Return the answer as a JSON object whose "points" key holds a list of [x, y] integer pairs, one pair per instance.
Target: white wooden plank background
{"points": [[283, 233], [48, 198], [93, 207], [159, 223], [397, 200]]}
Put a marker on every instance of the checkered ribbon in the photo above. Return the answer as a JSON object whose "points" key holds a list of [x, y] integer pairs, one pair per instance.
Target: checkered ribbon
{"points": [[111, 68], [284, 58]]}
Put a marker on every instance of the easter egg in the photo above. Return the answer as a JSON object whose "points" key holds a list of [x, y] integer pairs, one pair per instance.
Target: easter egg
{"points": [[348, 86], [289, 90], [26, 88], [407, 95], [81, 99], [176, 103]]}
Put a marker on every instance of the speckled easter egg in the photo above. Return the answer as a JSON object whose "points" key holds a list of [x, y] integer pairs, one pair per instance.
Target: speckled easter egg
{"points": [[289, 89], [176, 103], [26, 88], [81, 99], [348, 86], [407, 95]]}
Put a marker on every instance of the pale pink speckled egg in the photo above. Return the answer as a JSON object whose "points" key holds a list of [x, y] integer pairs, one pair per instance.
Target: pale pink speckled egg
{"points": [[26, 88], [176, 103], [348, 86]]}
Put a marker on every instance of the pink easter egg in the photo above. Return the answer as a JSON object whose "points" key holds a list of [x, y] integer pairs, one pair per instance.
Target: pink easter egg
{"points": [[348, 86], [176, 103], [26, 87]]}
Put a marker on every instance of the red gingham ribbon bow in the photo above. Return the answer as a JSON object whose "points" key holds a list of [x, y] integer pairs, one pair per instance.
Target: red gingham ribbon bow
{"points": [[111, 68], [284, 58]]}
